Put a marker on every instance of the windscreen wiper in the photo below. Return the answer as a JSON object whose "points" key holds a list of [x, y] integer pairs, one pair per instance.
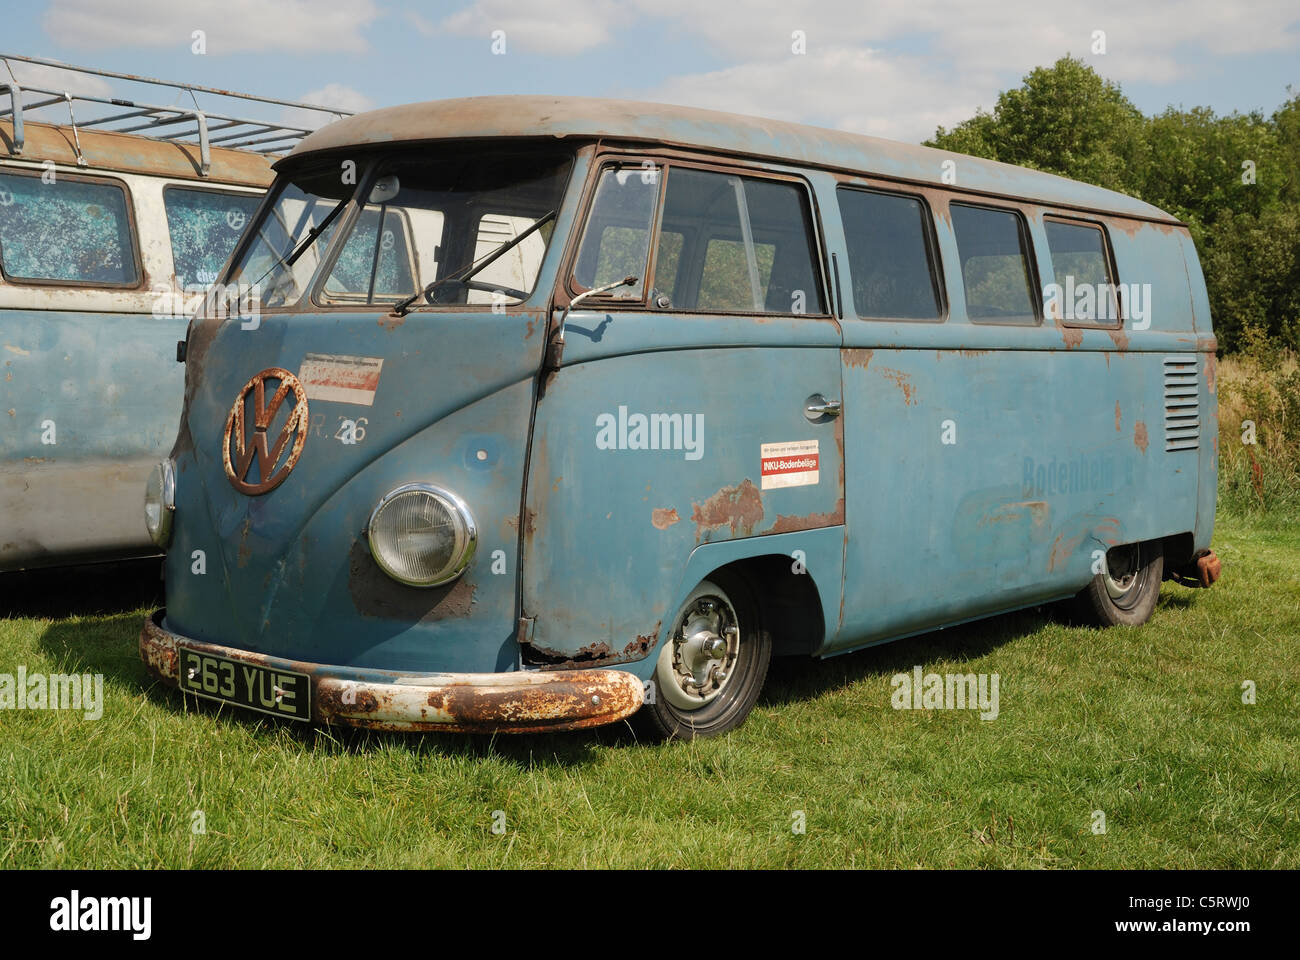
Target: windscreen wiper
{"points": [[304, 243], [473, 267]]}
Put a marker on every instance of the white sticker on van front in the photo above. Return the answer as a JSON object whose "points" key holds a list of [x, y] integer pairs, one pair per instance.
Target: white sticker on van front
{"points": [[339, 378], [793, 464]]}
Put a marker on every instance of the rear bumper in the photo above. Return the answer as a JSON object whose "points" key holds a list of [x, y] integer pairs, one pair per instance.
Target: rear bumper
{"points": [[516, 702]]}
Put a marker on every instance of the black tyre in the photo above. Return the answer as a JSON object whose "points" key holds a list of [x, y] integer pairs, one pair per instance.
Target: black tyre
{"points": [[1125, 592], [711, 667]]}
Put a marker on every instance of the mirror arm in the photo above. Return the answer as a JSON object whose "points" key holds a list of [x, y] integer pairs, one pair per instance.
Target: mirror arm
{"points": [[555, 349]]}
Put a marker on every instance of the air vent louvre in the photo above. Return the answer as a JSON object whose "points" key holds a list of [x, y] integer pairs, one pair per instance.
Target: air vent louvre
{"points": [[1182, 403]]}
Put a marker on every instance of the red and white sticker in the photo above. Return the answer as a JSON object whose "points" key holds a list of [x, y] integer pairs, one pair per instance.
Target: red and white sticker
{"points": [[339, 378], [793, 464]]}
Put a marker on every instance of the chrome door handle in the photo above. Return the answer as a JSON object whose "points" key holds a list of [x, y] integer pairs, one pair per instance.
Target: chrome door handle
{"points": [[818, 407]]}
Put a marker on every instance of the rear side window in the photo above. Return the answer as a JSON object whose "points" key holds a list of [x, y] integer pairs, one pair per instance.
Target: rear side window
{"points": [[732, 244], [204, 226], [69, 231], [891, 255], [994, 250], [1085, 285]]}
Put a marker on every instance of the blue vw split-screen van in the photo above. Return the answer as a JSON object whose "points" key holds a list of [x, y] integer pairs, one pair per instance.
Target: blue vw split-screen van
{"points": [[548, 412]]}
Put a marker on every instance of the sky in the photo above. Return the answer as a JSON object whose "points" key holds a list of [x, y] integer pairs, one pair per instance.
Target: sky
{"points": [[893, 68]]}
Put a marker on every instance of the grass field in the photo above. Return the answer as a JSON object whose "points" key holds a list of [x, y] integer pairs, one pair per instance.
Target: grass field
{"points": [[1146, 725]]}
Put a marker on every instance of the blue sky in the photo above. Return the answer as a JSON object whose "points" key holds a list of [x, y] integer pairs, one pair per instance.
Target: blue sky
{"points": [[894, 68]]}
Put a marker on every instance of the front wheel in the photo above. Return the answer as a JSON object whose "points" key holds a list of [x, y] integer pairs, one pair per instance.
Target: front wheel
{"points": [[711, 667], [1126, 590]]}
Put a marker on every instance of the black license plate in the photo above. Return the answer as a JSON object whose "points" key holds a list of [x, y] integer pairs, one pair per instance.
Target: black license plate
{"points": [[281, 693]]}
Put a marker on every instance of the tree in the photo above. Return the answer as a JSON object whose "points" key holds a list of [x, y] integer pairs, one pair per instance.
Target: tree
{"points": [[1064, 119], [1232, 179]]}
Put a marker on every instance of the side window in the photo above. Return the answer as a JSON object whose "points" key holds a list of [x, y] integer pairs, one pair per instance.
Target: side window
{"points": [[69, 231], [204, 227], [891, 255], [733, 244], [1084, 287], [994, 251], [616, 240]]}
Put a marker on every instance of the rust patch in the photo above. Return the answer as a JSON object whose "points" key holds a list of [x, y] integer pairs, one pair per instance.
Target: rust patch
{"points": [[1070, 336], [740, 507], [1140, 436], [594, 652], [329, 702], [1062, 548], [245, 552], [857, 357], [529, 516], [391, 322], [1209, 370], [787, 524], [1118, 417], [531, 325], [640, 647], [901, 380], [664, 517], [1120, 338]]}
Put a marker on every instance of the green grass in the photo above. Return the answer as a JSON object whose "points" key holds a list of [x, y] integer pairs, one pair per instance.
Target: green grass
{"points": [[1144, 724]]}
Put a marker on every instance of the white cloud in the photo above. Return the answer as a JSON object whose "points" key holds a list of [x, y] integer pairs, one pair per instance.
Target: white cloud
{"points": [[901, 67], [55, 78], [861, 91], [559, 27], [334, 95], [230, 26]]}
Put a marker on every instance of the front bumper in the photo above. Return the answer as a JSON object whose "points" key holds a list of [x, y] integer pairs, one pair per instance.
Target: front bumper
{"points": [[516, 702]]}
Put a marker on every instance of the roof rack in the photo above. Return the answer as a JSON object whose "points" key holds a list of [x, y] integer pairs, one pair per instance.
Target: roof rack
{"points": [[176, 122]]}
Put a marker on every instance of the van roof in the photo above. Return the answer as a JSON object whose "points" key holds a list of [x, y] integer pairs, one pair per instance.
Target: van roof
{"points": [[586, 118], [106, 150]]}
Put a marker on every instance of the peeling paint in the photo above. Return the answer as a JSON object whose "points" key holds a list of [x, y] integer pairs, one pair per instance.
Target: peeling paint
{"points": [[740, 507], [664, 517]]}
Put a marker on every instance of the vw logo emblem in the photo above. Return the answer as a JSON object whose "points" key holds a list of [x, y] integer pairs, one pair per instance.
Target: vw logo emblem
{"points": [[245, 441]]}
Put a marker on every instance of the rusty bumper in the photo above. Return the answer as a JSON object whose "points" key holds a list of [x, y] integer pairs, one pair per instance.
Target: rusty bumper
{"points": [[516, 702]]}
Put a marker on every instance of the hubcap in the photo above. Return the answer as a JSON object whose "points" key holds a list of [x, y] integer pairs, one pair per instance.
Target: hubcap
{"points": [[1123, 566], [699, 659]]}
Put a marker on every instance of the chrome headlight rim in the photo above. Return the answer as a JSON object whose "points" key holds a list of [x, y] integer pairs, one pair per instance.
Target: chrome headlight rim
{"points": [[165, 471], [467, 534]]}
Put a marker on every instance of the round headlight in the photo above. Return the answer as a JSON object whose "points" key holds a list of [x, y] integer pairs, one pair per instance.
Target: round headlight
{"points": [[160, 502], [422, 535]]}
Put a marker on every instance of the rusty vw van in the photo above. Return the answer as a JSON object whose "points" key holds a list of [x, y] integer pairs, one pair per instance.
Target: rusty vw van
{"points": [[557, 410]]}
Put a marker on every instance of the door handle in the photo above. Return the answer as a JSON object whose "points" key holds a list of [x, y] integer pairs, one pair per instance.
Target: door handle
{"points": [[817, 408]]}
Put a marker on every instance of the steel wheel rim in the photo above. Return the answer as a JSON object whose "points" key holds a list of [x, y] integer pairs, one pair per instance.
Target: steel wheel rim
{"points": [[690, 676], [1124, 575]]}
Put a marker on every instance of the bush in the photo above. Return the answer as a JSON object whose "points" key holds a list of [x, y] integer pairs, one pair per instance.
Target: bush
{"points": [[1259, 400]]}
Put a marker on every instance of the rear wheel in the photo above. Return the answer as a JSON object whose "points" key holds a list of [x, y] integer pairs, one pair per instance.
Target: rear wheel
{"points": [[711, 667], [1126, 590]]}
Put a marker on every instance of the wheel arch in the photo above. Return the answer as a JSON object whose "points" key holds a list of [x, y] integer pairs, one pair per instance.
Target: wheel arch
{"points": [[796, 579]]}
